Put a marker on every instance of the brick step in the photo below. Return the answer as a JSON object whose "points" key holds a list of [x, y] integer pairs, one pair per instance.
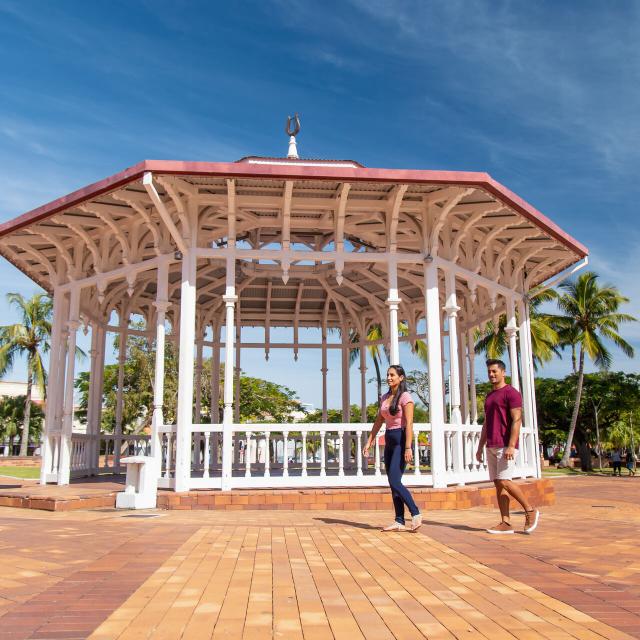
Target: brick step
{"points": [[539, 492]]}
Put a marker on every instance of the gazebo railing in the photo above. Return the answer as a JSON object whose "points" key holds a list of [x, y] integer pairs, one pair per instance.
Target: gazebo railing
{"points": [[272, 455]]}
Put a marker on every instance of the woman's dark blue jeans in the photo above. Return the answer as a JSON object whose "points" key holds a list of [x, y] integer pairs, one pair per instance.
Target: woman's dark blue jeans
{"points": [[394, 463]]}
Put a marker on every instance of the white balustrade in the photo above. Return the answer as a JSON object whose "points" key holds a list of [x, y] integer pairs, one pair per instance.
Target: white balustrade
{"points": [[331, 462]]}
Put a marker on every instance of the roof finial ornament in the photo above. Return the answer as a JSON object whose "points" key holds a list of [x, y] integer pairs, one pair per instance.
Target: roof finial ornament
{"points": [[292, 132]]}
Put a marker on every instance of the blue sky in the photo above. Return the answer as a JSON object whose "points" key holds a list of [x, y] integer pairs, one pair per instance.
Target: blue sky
{"points": [[544, 96]]}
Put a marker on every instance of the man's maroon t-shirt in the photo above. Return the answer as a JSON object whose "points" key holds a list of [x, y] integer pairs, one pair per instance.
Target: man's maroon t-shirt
{"points": [[497, 415]]}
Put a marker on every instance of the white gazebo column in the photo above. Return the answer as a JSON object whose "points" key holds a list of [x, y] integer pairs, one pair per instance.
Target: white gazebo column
{"points": [[99, 391], [122, 357], [451, 307], [92, 400], [64, 470], [324, 371], [512, 330], [162, 305], [212, 449], [230, 300], [436, 388], [363, 382], [197, 410], [236, 371], [530, 420], [464, 377], [215, 374], [473, 398], [54, 388], [185, 371], [345, 453], [346, 390], [393, 302]]}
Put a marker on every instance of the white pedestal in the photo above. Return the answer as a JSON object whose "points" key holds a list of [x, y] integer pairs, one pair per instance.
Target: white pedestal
{"points": [[141, 484]]}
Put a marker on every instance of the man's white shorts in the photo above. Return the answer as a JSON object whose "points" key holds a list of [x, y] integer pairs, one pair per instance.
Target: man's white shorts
{"points": [[499, 467]]}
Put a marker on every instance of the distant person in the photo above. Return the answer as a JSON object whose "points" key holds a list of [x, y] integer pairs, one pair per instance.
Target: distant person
{"points": [[616, 462], [631, 462], [500, 433], [396, 411]]}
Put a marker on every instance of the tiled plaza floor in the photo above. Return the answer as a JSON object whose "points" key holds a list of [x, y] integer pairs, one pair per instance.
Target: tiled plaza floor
{"points": [[308, 574]]}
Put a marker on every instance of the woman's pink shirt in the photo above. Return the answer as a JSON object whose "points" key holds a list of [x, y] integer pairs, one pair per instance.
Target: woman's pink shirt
{"points": [[398, 421]]}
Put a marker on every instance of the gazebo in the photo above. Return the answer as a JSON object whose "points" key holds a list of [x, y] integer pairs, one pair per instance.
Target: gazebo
{"points": [[200, 250]]}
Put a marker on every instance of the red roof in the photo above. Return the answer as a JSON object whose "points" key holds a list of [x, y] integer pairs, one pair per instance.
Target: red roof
{"points": [[293, 171]]}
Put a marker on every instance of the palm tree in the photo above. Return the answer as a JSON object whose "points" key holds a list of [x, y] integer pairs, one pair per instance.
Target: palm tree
{"points": [[419, 347], [29, 337], [545, 341], [590, 315]]}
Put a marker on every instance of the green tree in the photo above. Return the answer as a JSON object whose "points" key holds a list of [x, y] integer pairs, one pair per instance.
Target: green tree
{"points": [[29, 337], [494, 342], [589, 314], [260, 400], [12, 418], [418, 347]]}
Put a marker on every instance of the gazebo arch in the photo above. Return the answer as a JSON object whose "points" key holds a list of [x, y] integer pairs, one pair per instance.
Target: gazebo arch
{"points": [[284, 242]]}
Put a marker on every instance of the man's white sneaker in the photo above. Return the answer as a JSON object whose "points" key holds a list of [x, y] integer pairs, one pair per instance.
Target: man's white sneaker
{"points": [[502, 528], [531, 519]]}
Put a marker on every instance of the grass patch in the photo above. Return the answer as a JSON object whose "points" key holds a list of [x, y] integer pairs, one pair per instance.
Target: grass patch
{"points": [[568, 471], [20, 472]]}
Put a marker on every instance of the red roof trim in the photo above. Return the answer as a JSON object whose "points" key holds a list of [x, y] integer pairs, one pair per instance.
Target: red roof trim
{"points": [[298, 172]]}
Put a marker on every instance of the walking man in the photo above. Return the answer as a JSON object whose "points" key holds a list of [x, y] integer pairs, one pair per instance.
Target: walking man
{"points": [[500, 433]]}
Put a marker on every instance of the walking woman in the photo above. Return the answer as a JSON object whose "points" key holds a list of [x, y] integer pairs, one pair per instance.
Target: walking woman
{"points": [[396, 411]]}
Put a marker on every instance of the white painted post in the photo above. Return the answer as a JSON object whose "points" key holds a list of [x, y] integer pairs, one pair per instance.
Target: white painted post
{"points": [[324, 373], [215, 375], [247, 455], [436, 388], [122, 356], [197, 418], [528, 408], [64, 470], [323, 454], [285, 456], [267, 455], [377, 459], [472, 379], [207, 457], [236, 388], [197, 437], [393, 302], [346, 391], [230, 300], [342, 453], [99, 387], [162, 306], [91, 399], [304, 454], [53, 388], [464, 377], [526, 352], [363, 382], [416, 452], [185, 371], [512, 330], [452, 309], [358, 450]]}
